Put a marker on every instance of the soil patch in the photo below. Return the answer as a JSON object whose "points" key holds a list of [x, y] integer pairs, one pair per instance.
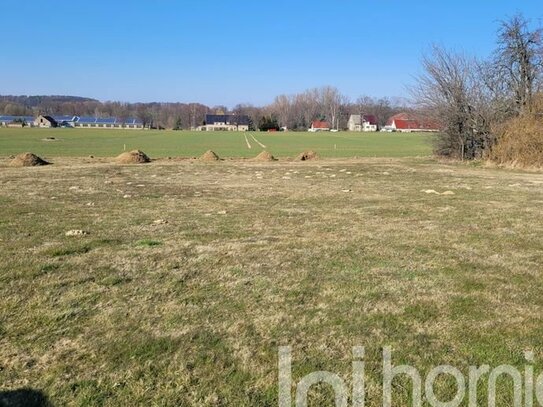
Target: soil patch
{"points": [[209, 156], [133, 157], [27, 160]]}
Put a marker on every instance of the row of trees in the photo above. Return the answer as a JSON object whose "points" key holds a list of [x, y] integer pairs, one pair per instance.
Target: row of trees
{"points": [[327, 103], [475, 98], [295, 112]]}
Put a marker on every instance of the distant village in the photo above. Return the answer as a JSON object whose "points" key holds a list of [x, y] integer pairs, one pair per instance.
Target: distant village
{"points": [[401, 122]]}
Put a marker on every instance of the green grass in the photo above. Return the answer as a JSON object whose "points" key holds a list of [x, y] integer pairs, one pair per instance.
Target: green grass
{"points": [[148, 243], [104, 143], [190, 312]]}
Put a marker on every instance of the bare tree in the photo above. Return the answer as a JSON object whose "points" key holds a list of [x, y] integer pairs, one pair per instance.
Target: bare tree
{"points": [[518, 60], [282, 109], [450, 89], [331, 101]]}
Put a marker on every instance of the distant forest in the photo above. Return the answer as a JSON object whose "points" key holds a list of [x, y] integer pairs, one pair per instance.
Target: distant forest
{"points": [[296, 112]]}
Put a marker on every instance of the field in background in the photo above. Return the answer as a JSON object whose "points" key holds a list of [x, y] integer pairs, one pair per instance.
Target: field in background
{"points": [[193, 274], [109, 143]]}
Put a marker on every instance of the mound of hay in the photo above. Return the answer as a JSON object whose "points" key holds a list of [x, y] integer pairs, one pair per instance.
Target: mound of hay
{"points": [[307, 155], [264, 156], [27, 160], [133, 157], [209, 156]]}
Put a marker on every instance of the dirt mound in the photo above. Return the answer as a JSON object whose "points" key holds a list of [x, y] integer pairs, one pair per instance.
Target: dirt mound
{"points": [[133, 157], [209, 156], [264, 156], [307, 155], [27, 160]]}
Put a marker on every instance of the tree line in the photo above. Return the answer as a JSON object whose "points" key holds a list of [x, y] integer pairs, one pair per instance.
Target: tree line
{"points": [[294, 112]]}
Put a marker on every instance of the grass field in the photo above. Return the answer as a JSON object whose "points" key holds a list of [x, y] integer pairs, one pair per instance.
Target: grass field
{"points": [[104, 143], [249, 256]]}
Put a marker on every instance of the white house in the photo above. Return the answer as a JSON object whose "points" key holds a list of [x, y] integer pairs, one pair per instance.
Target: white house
{"points": [[365, 122], [225, 122]]}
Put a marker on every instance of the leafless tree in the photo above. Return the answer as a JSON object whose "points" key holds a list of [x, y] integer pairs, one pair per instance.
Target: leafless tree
{"points": [[331, 100], [518, 60], [282, 109], [450, 89]]}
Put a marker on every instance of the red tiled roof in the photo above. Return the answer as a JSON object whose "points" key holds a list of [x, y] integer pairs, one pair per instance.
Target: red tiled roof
{"points": [[399, 116], [319, 124], [406, 121], [406, 124]]}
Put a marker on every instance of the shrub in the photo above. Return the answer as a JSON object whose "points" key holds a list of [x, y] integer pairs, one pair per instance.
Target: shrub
{"points": [[520, 140]]}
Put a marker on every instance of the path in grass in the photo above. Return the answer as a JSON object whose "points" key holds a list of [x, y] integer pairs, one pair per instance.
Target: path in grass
{"points": [[247, 142], [258, 142]]}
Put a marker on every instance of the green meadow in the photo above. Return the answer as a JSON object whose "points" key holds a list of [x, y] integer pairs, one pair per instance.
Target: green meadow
{"points": [[106, 143]]}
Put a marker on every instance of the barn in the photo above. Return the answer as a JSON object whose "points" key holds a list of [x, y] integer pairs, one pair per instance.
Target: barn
{"points": [[45, 121], [89, 122], [319, 125], [409, 122]]}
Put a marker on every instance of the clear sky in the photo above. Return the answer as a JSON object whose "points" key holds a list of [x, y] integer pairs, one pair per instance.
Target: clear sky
{"points": [[229, 52]]}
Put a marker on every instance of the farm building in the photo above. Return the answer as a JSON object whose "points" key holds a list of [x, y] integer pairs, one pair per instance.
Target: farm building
{"points": [[16, 121], [225, 122], [319, 125], [364, 122], [87, 122], [74, 121], [407, 123], [45, 121]]}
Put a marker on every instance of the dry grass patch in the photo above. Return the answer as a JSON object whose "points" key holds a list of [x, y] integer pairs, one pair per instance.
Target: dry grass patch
{"points": [[191, 311]]}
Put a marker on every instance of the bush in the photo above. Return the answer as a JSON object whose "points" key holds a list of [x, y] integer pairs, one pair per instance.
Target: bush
{"points": [[520, 140]]}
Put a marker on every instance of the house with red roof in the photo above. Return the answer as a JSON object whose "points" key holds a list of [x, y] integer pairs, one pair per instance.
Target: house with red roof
{"points": [[319, 125], [408, 122]]}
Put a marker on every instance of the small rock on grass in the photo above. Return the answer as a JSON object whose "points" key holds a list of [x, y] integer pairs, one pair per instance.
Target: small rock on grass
{"points": [[76, 232], [432, 191]]}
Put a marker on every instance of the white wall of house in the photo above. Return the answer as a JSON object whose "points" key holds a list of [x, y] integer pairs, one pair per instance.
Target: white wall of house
{"points": [[223, 127], [42, 122], [355, 124]]}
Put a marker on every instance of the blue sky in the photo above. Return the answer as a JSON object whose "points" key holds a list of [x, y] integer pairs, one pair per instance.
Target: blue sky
{"points": [[229, 52]]}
